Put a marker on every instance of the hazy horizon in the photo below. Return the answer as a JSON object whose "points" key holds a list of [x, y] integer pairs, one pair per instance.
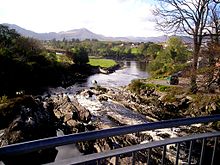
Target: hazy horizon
{"points": [[115, 18]]}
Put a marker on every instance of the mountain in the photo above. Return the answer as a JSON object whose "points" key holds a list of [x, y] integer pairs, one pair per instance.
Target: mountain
{"points": [[84, 33], [81, 34], [29, 33]]}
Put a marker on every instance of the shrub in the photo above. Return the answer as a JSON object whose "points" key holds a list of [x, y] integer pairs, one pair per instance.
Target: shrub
{"points": [[3, 99], [136, 86], [79, 55]]}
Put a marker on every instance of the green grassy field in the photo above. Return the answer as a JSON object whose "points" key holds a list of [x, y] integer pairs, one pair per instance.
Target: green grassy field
{"points": [[135, 51], [105, 63]]}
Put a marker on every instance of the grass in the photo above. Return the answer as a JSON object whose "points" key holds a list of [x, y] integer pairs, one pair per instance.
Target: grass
{"points": [[138, 85], [105, 63], [63, 58], [60, 58], [135, 51]]}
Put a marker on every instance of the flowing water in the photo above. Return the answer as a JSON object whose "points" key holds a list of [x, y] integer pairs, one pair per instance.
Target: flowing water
{"points": [[130, 71], [122, 77]]}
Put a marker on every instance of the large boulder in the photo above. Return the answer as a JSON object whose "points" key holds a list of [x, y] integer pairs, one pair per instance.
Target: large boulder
{"points": [[30, 121], [70, 113]]}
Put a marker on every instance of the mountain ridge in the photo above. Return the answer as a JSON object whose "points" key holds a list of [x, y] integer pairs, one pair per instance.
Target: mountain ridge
{"points": [[84, 33]]}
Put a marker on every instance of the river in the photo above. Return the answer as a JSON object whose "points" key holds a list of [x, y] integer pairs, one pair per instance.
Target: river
{"points": [[132, 70], [122, 77]]}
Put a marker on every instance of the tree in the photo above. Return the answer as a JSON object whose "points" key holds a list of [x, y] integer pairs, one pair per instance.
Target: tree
{"points": [[177, 50], [213, 27], [27, 49], [153, 50], [7, 36], [185, 16], [79, 55]]}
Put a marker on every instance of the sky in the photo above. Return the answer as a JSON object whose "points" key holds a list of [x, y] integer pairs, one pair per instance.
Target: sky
{"points": [[115, 18]]}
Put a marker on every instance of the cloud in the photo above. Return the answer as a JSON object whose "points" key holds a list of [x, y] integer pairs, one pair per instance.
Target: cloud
{"points": [[108, 17]]}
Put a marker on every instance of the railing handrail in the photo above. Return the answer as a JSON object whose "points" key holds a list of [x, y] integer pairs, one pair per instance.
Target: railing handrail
{"points": [[133, 148], [26, 147]]}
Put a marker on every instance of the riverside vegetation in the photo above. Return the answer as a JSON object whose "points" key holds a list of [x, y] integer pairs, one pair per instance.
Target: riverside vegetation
{"points": [[30, 65]]}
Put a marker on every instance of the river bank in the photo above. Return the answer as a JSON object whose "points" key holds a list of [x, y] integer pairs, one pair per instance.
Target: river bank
{"points": [[91, 107], [97, 108]]}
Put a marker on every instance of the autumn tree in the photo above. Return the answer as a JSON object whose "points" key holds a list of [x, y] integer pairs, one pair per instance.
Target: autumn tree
{"points": [[186, 17]]}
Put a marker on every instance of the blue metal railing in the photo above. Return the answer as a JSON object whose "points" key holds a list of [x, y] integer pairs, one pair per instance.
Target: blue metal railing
{"points": [[135, 148], [22, 148]]}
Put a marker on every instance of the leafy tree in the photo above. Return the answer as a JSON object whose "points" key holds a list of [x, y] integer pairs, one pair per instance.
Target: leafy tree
{"points": [[23, 63], [26, 49], [170, 59], [153, 50], [7, 36], [177, 49], [79, 55]]}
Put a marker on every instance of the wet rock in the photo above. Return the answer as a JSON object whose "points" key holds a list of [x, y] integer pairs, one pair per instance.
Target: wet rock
{"points": [[70, 113], [189, 98], [147, 92], [102, 98], [162, 97], [72, 123], [87, 93], [32, 122], [67, 117], [83, 114], [213, 106]]}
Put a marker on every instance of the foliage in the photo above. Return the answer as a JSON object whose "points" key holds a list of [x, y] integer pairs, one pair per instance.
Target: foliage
{"points": [[3, 99], [163, 88], [24, 64], [105, 63], [104, 49], [152, 50], [205, 104], [138, 85], [195, 19], [170, 60], [7, 36], [135, 51], [177, 50], [162, 64], [79, 55]]}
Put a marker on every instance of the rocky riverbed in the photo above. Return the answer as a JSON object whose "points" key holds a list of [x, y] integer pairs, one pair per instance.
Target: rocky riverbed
{"points": [[114, 107], [95, 108]]}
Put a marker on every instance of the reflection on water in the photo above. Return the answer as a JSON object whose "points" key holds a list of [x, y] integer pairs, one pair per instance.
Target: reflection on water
{"points": [[131, 70], [122, 77], [142, 66], [127, 63]]}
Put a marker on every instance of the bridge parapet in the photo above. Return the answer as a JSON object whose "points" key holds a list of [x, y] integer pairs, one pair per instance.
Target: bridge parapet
{"points": [[195, 145]]}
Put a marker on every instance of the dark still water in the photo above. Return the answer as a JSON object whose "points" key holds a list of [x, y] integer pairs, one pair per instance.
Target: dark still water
{"points": [[131, 70]]}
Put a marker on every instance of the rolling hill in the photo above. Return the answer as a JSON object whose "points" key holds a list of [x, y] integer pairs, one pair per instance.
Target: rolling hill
{"points": [[84, 33]]}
